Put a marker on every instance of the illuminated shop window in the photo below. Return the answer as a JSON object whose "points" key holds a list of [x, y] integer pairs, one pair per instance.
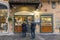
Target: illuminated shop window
{"points": [[3, 18], [18, 20], [46, 23], [46, 20]]}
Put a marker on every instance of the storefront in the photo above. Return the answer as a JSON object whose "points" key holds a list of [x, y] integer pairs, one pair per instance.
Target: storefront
{"points": [[22, 11], [19, 18], [4, 17], [45, 17]]}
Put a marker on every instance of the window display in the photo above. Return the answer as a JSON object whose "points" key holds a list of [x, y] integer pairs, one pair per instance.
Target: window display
{"points": [[46, 23], [3, 18], [19, 20]]}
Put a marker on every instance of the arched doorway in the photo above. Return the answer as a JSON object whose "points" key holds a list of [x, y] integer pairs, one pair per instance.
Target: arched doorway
{"points": [[3, 17], [18, 20]]}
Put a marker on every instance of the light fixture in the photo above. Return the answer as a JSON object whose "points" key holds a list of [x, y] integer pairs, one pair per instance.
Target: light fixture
{"points": [[36, 11]]}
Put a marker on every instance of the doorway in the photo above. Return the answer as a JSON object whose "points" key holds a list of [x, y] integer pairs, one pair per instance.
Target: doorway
{"points": [[46, 24], [18, 20]]}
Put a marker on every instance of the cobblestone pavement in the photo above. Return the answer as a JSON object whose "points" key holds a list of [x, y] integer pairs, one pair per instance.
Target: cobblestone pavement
{"points": [[38, 37]]}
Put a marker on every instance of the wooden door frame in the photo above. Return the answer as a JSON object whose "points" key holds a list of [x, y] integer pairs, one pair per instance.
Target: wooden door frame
{"points": [[52, 22], [20, 15]]}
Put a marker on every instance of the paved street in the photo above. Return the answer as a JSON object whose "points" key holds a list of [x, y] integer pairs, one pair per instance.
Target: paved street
{"points": [[17, 37], [51, 37], [38, 37]]}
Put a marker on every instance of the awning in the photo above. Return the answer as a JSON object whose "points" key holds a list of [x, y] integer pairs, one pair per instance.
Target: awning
{"points": [[25, 2]]}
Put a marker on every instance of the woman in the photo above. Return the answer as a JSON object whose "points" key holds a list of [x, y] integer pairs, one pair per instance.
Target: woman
{"points": [[24, 28]]}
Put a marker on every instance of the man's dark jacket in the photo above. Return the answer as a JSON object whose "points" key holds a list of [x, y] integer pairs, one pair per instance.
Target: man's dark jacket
{"points": [[33, 25], [24, 28]]}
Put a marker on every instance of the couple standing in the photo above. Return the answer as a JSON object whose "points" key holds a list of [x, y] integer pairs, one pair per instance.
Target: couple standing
{"points": [[24, 29]]}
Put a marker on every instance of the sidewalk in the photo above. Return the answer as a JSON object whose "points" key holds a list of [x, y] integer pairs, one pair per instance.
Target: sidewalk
{"points": [[17, 37], [50, 37], [38, 37]]}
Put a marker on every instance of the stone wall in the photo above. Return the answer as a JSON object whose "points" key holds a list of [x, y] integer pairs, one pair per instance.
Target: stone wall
{"points": [[47, 8]]}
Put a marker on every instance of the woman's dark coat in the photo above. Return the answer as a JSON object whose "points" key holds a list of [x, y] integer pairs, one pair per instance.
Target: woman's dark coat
{"points": [[33, 25], [24, 28]]}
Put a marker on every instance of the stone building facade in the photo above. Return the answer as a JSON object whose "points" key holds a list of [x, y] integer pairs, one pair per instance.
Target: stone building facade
{"points": [[46, 16]]}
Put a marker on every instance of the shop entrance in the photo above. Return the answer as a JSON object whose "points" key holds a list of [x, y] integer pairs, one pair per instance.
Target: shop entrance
{"points": [[46, 24], [18, 19]]}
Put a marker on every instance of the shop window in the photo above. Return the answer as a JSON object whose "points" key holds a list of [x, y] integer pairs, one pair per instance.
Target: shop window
{"points": [[53, 4], [3, 18], [46, 24], [19, 20]]}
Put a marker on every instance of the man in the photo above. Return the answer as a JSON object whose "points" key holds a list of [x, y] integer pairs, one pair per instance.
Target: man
{"points": [[33, 25], [24, 28]]}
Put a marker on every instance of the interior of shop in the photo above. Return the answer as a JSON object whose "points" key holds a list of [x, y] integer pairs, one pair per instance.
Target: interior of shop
{"points": [[19, 20]]}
